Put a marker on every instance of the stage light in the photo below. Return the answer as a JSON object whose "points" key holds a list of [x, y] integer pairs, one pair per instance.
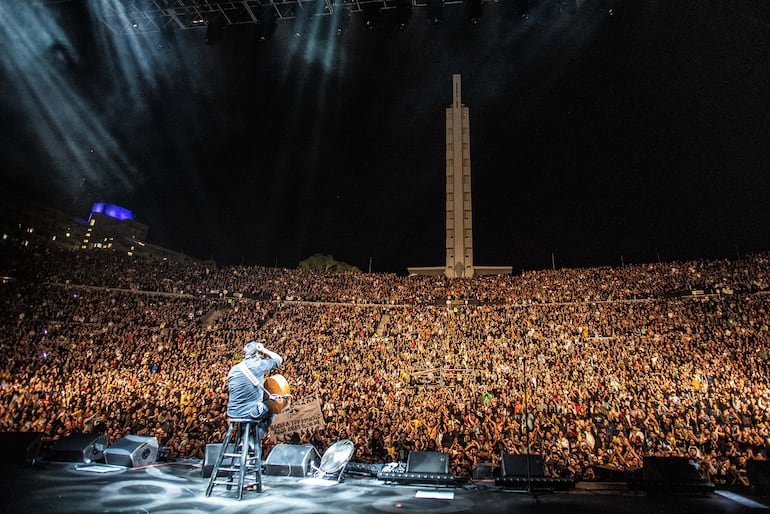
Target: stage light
{"points": [[267, 24], [215, 30], [317, 7], [403, 13], [371, 17], [302, 19], [435, 11], [522, 8], [473, 11], [342, 19], [599, 6]]}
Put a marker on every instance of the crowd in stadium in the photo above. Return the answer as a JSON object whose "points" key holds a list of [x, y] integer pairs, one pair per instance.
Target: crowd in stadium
{"points": [[591, 368]]}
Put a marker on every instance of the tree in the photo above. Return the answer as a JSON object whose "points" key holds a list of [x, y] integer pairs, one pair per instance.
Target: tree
{"points": [[326, 263]]}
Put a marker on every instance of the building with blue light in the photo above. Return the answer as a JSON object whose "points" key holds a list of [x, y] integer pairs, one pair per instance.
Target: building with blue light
{"points": [[108, 227], [113, 227]]}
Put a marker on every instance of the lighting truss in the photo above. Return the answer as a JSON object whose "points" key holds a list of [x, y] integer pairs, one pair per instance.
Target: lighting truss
{"points": [[136, 16]]}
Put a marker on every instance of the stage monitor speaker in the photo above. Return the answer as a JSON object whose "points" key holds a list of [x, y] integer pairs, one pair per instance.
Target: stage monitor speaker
{"points": [[20, 446], [758, 472], [427, 462], [669, 474], [290, 460], [132, 451], [85, 448], [212, 452], [610, 474], [486, 471], [669, 470], [523, 465]]}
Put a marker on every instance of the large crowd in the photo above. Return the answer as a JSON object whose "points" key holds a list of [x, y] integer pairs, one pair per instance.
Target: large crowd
{"points": [[593, 369]]}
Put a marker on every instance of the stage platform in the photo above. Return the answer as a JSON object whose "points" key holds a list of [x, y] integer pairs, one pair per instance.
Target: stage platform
{"points": [[179, 487]]}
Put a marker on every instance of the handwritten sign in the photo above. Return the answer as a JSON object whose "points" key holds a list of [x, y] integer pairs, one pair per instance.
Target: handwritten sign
{"points": [[301, 416]]}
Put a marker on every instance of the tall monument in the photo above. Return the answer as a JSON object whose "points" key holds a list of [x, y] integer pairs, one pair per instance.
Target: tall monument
{"points": [[459, 211], [459, 214]]}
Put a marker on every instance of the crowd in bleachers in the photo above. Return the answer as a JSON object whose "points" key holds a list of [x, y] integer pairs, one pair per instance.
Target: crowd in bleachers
{"points": [[591, 368]]}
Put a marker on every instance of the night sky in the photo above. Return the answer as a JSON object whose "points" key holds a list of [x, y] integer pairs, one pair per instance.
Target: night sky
{"points": [[631, 131]]}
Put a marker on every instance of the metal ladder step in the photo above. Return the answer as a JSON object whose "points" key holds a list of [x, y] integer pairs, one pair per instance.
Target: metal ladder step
{"points": [[237, 456], [249, 469], [230, 472], [228, 482]]}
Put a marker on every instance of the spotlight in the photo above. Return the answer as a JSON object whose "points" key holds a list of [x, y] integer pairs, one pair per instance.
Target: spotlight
{"points": [[215, 30], [343, 22], [371, 16], [403, 13], [302, 19], [267, 24], [435, 11], [317, 7], [599, 6], [473, 11], [522, 8]]}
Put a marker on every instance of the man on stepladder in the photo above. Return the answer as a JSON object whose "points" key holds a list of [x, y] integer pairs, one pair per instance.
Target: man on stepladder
{"points": [[245, 384]]}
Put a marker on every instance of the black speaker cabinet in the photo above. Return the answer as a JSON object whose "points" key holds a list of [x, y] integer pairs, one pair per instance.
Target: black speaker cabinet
{"points": [[669, 469], [610, 474], [427, 462], [758, 472], [20, 446], [132, 451], [86, 448], [486, 471], [522, 465], [290, 460], [212, 452], [669, 474]]}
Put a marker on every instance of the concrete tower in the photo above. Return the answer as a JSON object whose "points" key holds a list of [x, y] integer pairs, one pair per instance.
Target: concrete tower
{"points": [[459, 213]]}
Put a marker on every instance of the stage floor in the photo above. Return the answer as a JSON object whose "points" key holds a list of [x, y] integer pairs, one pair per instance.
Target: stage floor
{"points": [[179, 488]]}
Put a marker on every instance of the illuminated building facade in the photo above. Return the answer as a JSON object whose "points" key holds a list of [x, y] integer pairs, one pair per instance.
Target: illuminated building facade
{"points": [[112, 226]]}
